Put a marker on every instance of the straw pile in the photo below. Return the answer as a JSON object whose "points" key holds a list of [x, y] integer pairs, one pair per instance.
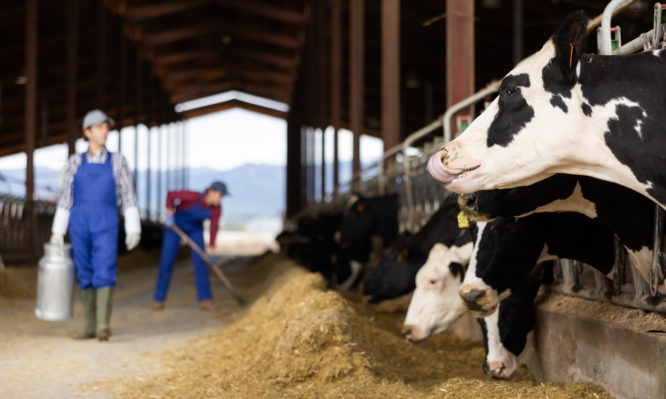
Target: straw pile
{"points": [[299, 340], [18, 282]]}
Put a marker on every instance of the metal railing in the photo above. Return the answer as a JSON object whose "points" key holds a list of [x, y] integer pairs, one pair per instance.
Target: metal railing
{"points": [[15, 214]]}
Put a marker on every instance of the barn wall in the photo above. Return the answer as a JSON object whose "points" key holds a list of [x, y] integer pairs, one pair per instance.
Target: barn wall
{"points": [[573, 343]]}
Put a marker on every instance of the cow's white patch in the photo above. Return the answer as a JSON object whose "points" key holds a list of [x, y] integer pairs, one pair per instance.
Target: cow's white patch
{"points": [[356, 268], [500, 361], [575, 202], [549, 142], [435, 304]]}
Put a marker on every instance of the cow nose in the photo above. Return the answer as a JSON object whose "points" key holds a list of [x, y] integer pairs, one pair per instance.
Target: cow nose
{"points": [[469, 201], [407, 333], [471, 298]]}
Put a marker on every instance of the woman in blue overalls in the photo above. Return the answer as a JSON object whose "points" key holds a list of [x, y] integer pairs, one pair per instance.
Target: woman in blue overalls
{"points": [[88, 203], [188, 210]]}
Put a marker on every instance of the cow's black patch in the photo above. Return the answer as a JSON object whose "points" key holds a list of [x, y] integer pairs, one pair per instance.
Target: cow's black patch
{"points": [[394, 276], [554, 80], [556, 101], [514, 112], [608, 78], [587, 110]]}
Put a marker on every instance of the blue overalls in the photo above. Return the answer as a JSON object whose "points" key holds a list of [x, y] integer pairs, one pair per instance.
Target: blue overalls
{"points": [[93, 224], [189, 220]]}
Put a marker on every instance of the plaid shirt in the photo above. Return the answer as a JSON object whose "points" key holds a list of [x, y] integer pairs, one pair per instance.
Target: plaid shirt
{"points": [[121, 174]]}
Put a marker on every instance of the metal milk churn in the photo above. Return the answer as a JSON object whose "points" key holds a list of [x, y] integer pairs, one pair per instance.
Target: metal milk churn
{"points": [[55, 283]]}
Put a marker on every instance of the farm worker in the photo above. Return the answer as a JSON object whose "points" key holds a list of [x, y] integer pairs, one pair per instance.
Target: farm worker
{"points": [[95, 184], [188, 210]]}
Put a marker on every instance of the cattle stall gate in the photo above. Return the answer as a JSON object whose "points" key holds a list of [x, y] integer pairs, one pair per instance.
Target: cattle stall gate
{"points": [[420, 196]]}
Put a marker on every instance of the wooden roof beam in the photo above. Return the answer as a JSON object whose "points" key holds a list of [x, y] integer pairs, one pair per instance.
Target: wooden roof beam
{"points": [[267, 10], [142, 12]]}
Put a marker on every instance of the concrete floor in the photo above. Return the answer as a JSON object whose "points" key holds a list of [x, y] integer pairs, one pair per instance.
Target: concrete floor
{"points": [[38, 359]]}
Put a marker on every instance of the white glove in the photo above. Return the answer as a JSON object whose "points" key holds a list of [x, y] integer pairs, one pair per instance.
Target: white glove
{"points": [[57, 240], [132, 240]]}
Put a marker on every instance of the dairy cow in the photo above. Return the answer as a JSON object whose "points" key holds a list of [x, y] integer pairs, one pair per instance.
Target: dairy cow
{"points": [[395, 273], [436, 305], [507, 249], [562, 111], [626, 213], [364, 218]]}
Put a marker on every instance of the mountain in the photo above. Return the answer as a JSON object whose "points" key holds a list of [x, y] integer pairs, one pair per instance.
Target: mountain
{"points": [[257, 191]]}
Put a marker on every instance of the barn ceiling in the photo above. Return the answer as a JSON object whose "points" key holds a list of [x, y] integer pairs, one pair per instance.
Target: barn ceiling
{"points": [[138, 58]]}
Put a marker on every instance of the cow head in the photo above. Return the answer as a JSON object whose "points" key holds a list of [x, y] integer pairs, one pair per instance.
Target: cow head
{"points": [[435, 304], [504, 252], [531, 126]]}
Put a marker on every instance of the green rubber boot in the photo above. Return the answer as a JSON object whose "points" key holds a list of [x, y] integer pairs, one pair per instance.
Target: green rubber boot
{"points": [[104, 303], [89, 312]]}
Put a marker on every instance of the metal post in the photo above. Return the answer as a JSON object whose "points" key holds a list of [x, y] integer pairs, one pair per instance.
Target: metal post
{"points": [[390, 72], [149, 137], [30, 113], [356, 73], [137, 118], [459, 51], [101, 53], [72, 49], [159, 172], [169, 161], [656, 272], [123, 91], [336, 77], [517, 31]]}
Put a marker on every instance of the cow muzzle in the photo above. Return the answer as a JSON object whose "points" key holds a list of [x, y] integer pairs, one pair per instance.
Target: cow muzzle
{"points": [[499, 370], [478, 301]]}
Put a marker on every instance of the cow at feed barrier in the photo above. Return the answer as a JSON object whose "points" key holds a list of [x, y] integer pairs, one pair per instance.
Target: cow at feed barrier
{"points": [[562, 111], [436, 306], [395, 273], [364, 218], [626, 213], [507, 249]]}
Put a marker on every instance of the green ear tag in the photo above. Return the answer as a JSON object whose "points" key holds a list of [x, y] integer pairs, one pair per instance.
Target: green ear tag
{"points": [[463, 222]]}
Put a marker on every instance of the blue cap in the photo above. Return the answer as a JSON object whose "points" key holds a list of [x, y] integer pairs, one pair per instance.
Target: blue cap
{"points": [[219, 186], [95, 117]]}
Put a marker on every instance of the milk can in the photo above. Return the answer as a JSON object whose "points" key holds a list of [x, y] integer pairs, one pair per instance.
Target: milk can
{"points": [[55, 283]]}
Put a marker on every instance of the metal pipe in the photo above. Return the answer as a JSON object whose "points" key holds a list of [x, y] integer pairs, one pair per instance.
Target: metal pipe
{"points": [[634, 45], [656, 273], [606, 47], [491, 88]]}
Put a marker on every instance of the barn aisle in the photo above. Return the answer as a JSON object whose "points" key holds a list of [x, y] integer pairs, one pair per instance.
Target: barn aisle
{"points": [[40, 360]]}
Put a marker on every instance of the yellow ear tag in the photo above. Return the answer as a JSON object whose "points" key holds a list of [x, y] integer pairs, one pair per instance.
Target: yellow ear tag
{"points": [[463, 222], [403, 255]]}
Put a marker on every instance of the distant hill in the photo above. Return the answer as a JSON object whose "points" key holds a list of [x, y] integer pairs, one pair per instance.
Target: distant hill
{"points": [[257, 191]]}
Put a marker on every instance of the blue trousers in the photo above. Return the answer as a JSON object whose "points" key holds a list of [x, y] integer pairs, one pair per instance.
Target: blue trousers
{"points": [[94, 250], [170, 247]]}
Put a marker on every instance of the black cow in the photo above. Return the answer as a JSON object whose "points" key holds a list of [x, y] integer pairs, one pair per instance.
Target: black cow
{"points": [[626, 213], [395, 273], [364, 219], [506, 249]]}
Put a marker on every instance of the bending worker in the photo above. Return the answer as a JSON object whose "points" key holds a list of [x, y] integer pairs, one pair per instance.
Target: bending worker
{"points": [[95, 184], [188, 210]]}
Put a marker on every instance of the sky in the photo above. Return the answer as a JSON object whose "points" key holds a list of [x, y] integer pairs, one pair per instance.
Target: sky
{"points": [[219, 141]]}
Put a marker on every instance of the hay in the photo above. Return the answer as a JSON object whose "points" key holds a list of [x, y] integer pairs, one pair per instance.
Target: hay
{"points": [[18, 282], [299, 340]]}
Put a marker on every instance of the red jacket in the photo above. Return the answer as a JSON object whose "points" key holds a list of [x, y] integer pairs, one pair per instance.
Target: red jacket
{"points": [[185, 199]]}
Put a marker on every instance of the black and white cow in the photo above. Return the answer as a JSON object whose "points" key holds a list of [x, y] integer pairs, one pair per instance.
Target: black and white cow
{"points": [[562, 111], [436, 305], [507, 249], [364, 218], [626, 213], [395, 273]]}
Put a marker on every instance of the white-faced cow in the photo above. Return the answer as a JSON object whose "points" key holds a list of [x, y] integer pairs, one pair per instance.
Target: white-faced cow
{"points": [[562, 111], [394, 275], [507, 249], [626, 213], [436, 305]]}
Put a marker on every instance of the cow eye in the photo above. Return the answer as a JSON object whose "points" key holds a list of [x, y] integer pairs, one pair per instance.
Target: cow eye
{"points": [[432, 282], [510, 90]]}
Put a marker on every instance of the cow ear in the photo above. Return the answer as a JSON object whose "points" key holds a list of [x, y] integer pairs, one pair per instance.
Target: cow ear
{"points": [[570, 42]]}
